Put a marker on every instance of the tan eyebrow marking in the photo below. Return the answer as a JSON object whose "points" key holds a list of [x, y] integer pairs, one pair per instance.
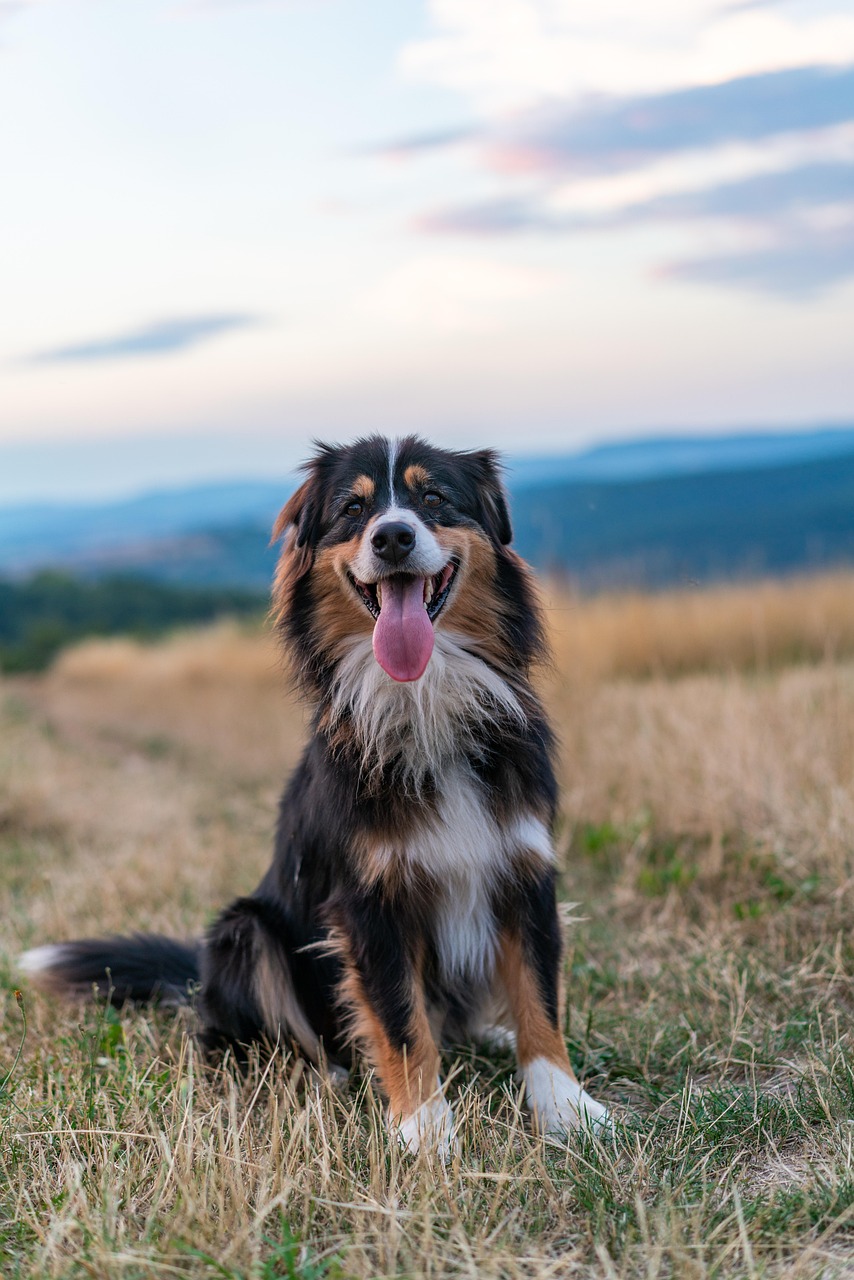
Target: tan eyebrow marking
{"points": [[415, 475], [364, 487]]}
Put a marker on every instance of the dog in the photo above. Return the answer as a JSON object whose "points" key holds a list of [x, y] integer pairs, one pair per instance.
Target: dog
{"points": [[411, 899]]}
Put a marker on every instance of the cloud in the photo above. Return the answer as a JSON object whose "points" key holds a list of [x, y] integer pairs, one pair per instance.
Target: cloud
{"points": [[780, 146], [499, 217], [162, 337], [762, 195], [506, 54], [798, 226], [613, 135], [765, 195], [621, 135], [419, 144], [799, 266]]}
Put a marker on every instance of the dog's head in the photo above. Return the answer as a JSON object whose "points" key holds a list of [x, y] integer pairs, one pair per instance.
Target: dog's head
{"points": [[397, 540]]}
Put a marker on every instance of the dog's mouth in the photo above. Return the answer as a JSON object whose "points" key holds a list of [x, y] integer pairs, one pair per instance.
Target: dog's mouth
{"points": [[435, 590], [405, 608]]}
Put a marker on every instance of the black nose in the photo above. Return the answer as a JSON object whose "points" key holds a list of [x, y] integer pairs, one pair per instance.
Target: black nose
{"points": [[393, 541]]}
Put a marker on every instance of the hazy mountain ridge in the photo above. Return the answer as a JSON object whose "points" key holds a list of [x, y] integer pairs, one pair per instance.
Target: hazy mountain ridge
{"points": [[655, 456], [39, 534], [718, 525], [649, 512]]}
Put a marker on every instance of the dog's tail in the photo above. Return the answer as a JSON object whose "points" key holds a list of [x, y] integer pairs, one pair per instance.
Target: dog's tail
{"points": [[249, 976], [140, 969]]}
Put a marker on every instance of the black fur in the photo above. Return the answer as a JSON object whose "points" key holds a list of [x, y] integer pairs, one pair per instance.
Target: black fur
{"points": [[383, 936], [142, 968]]}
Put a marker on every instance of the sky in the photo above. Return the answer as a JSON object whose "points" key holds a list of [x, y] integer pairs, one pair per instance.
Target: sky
{"points": [[228, 227]]}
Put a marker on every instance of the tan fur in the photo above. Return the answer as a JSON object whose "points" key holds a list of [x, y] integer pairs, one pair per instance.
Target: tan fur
{"points": [[415, 476], [474, 606], [364, 487], [375, 865], [280, 1009], [294, 561], [536, 1035], [339, 614], [408, 1077]]}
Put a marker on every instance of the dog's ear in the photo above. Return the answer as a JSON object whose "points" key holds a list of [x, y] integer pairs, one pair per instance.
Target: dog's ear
{"points": [[303, 511], [300, 514], [298, 525], [494, 513]]}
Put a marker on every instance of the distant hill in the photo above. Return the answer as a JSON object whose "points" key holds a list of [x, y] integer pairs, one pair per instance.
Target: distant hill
{"points": [[682, 455], [671, 529], [36, 535], [648, 512]]}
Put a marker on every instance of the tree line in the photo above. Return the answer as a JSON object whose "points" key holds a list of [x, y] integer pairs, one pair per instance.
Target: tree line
{"points": [[42, 614]]}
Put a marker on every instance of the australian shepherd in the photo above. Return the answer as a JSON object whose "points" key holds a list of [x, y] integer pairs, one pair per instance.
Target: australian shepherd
{"points": [[411, 898]]}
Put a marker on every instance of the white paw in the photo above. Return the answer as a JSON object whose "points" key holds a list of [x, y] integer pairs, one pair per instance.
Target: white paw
{"points": [[330, 1074], [492, 1036], [559, 1103], [429, 1128]]}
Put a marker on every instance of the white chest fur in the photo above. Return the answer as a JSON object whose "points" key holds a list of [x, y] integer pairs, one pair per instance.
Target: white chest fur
{"points": [[423, 723], [466, 852]]}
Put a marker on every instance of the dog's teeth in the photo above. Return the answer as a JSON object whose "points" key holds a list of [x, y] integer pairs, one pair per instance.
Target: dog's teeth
{"points": [[380, 594], [428, 591]]}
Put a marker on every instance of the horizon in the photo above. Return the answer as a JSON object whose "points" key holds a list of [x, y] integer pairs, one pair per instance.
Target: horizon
{"points": [[110, 491]]}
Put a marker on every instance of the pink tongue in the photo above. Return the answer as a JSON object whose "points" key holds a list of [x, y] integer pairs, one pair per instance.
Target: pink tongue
{"points": [[403, 634]]}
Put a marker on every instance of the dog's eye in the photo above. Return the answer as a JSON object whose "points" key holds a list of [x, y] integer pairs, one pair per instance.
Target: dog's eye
{"points": [[354, 508], [432, 499]]}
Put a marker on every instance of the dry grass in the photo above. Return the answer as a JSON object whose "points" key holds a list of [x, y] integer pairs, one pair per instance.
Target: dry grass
{"points": [[754, 626], [708, 832]]}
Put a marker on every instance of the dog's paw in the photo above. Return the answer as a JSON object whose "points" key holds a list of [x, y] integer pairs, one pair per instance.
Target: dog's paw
{"points": [[560, 1105], [494, 1037], [330, 1074], [430, 1128]]}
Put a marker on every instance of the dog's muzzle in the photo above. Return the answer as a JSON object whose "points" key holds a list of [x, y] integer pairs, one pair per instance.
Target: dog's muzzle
{"points": [[393, 541]]}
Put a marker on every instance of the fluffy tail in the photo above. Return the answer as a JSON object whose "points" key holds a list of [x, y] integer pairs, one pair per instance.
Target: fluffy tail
{"points": [[141, 968]]}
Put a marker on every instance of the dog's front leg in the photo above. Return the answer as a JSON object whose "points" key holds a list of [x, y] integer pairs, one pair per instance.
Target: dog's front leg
{"points": [[528, 966], [383, 987]]}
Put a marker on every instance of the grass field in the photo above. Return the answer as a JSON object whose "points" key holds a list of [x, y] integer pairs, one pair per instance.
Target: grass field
{"points": [[707, 836]]}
